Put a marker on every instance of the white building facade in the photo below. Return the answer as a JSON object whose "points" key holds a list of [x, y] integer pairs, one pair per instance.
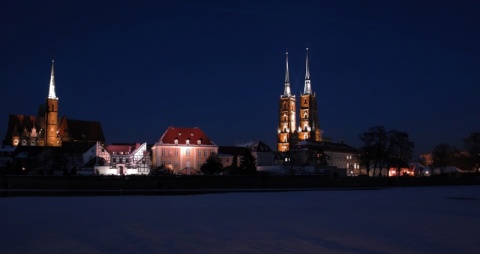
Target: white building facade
{"points": [[118, 159], [182, 150]]}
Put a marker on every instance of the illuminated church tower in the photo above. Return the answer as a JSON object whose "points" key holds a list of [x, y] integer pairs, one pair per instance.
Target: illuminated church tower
{"points": [[286, 123], [309, 128], [51, 114]]}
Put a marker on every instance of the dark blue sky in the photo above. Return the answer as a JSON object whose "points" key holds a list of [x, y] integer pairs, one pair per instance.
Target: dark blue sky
{"points": [[141, 66]]}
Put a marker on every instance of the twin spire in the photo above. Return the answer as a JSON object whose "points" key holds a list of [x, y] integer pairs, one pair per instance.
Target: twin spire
{"points": [[51, 90], [307, 88], [286, 91]]}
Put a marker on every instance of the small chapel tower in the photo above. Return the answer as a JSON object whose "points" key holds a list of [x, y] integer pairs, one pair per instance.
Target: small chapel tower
{"points": [[51, 115], [286, 121], [309, 128]]}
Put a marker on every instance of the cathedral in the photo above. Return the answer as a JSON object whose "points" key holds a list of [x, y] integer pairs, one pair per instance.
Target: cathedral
{"points": [[47, 129], [308, 125]]}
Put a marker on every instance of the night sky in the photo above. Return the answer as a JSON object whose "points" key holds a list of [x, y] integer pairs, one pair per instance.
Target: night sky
{"points": [[139, 67]]}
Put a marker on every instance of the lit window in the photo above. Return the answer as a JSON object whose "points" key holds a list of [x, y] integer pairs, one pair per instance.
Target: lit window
{"points": [[176, 141], [187, 152], [188, 141]]}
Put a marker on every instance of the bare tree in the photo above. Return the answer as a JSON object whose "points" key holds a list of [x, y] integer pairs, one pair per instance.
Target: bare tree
{"points": [[400, 147], [472, 145], [443, 155], [380, 146], [366, 152]]}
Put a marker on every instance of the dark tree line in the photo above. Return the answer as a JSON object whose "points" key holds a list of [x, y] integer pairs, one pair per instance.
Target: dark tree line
{"points": [[247, 165], [444, 155], [384, 149]]}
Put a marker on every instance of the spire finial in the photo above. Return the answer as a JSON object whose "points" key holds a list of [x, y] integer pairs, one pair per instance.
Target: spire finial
{"points": [[286, 91], [307, 72], [51, 90]]}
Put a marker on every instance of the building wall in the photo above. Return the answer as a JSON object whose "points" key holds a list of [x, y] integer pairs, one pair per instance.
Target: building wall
{"points": [[264, 158], [287, 122], [227, 159], [52, 123], [309, 128], [343, 160], [182, 159]]}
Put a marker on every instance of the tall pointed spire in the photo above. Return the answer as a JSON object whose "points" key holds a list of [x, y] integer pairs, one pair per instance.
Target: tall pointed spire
{"points": [[286, 91], [308, 88], [51, 90]]}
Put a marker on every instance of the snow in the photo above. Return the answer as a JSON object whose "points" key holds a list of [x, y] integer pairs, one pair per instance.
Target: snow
{"points": [[396, 220]]}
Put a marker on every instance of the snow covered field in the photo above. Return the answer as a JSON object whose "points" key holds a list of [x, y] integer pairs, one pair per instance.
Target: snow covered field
{"points": [[398, 220]]}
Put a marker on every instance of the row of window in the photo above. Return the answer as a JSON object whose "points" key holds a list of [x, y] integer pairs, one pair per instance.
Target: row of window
{"points": [[170, 152], [199, 142], [175, 164], [127, 160], [175, 151]]}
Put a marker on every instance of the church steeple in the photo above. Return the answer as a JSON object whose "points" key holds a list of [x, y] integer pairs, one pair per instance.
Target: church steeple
{"points": [[51, 114], [308, 88], [51, 90], [286, 116], [287, 91]]}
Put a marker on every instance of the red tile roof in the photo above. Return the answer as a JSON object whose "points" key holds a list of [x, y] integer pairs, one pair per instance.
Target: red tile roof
{"points": [[122, 148], [184, 134], [81, 130]]}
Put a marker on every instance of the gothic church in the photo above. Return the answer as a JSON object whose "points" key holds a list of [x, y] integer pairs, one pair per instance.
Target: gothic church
{"points": [[308, 126], [47, 129]]}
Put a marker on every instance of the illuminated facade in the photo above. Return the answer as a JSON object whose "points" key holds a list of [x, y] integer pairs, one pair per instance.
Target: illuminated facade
{"points": [[47, 129], [182, 150], [122, 159], [309, 127]]}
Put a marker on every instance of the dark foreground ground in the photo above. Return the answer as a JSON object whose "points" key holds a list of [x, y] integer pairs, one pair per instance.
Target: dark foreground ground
{"points": [[394, 220], [175, 185]]}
